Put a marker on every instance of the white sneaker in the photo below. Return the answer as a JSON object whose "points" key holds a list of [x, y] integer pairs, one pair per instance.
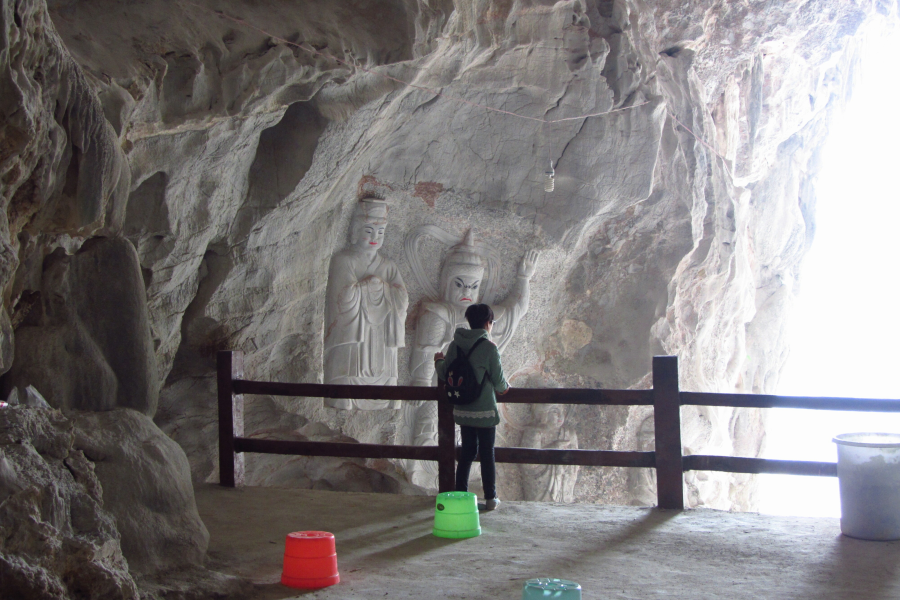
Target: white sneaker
{"points": [[491, 504]]}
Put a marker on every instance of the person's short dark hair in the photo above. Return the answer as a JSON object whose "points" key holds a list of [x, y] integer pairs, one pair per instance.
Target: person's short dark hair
{"points": [[479, 315]]}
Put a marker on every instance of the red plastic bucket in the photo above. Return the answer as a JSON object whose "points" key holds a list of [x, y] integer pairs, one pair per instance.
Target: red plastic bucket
{"points": [[310, 560]]}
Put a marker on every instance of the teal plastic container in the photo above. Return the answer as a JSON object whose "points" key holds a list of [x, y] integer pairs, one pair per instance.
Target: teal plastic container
{"points": [[456, 515], [545, 587]]}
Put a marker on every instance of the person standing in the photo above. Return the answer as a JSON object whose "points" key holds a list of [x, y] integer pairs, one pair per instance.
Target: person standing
{"points": [[477, 421], [462, 283]]}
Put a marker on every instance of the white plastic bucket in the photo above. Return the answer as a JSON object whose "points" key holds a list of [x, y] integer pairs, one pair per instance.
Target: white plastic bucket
{"points": [[868, 470]]}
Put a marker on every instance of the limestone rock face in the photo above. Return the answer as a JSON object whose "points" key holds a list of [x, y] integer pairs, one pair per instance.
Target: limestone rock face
{"points": [[683, 135], [99, 505], [62, 170], [87, 345], [58, 540], [146, 486]]}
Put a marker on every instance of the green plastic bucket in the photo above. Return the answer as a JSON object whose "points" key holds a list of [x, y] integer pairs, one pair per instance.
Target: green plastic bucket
{"points": [[456, 515], [547, 587]]}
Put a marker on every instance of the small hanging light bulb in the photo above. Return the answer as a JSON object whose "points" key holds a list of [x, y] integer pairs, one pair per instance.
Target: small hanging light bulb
{"points": [[549, 179]]}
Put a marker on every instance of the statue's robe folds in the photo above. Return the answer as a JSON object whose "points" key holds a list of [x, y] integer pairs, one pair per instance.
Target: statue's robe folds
{"points": [[365, 315]]}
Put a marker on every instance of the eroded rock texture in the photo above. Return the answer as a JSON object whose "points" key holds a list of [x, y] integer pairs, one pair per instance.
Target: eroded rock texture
{"points": [[99, 505], [147, 486], [679, 219], [88, 339], [59, 541]]}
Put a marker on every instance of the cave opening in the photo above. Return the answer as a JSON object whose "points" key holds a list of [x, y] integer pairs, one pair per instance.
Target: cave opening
{"points": [[843, 331]]}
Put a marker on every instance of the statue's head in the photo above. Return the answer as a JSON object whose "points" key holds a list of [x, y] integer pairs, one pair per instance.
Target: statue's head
{"points": [[462, 274], [368, 224], [549, 416]]}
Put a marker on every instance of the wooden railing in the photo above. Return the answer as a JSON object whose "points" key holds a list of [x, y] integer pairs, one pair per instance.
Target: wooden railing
{"points": [[665, 398]]}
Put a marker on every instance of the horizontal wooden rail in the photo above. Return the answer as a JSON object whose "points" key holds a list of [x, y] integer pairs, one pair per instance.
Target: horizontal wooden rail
{"points": [[399, 392], [584, 458], [342, 449], [740, 464], [320, 390], [567, 396], [587, 458], [808, 402], [578, 396]]}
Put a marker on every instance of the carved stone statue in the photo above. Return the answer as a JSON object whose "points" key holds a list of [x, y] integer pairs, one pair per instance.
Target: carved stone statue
{"points": [[461, 282], [549, 483], [365, 310]]}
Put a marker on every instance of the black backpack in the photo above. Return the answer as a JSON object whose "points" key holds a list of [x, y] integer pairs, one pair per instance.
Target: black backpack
{"points": [[462, 385]]}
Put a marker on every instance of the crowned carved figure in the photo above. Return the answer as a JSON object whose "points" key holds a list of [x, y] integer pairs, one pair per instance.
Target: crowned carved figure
{"points": [[461, 283], [365, 310]]}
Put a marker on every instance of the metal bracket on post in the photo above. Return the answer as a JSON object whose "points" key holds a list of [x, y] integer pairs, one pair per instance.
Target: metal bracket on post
{"points": [[230, 366], [446, 443], [667, 422]]}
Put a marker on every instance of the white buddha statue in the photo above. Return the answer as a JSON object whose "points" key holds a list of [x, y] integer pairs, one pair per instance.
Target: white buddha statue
{"points": [[365, 310], [460, 286]]}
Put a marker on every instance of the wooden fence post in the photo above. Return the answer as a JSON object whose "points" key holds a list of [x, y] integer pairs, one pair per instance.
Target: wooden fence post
{"points": [[446, 443], [230, 366], [667, 422]]}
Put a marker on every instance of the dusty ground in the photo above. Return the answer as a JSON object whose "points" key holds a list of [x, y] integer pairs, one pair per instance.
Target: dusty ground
{"points": [[386, 550]]}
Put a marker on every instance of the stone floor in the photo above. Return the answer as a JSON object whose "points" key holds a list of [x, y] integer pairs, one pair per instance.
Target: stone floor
{"points": [[386, 550]]}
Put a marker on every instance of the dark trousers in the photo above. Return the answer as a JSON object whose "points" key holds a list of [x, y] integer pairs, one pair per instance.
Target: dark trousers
{"points": [[477, 440]]}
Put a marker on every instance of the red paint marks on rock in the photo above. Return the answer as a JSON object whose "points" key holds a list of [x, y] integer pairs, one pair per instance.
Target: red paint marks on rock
{"points": [[369, 187], [428, 191]]}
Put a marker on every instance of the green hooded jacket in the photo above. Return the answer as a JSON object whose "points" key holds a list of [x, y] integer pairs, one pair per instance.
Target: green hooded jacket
{"points": [[485, 360]]}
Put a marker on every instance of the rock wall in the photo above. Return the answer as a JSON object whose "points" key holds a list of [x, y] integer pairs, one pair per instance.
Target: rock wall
{"points": [[158, 518], [87, 341], [679, 219], [99, 505], [58, 540]]}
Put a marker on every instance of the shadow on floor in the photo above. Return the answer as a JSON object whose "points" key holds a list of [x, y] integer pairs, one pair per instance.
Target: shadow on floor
{"points": [[414, 547], [846, 569]]}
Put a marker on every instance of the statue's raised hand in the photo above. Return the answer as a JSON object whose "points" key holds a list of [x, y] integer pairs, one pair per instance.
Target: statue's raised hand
{"points": [[529, 264]]}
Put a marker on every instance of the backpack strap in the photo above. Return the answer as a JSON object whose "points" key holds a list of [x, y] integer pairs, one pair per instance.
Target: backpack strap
{"points": [[471, 350]]}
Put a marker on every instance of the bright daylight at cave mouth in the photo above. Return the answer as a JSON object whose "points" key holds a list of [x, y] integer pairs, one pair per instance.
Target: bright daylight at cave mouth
{"points": [[843, 330]]}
